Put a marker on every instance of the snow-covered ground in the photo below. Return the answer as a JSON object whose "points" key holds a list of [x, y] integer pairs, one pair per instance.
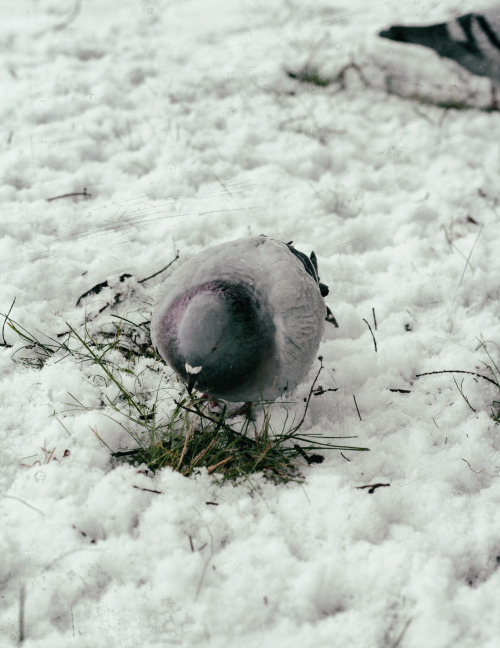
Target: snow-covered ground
{"points": [[180, 120]]}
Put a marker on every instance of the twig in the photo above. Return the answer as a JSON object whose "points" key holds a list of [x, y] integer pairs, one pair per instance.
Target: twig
{"points": [[345, 456], [320, 358], [22, 600], [401, 391], [67, 21], [25, 503], [460, 389], [201, 454], [4, 343], [83, 193], [402, 634], [159, 271], [322, 391], [374, 340], [220, 463], [95, 290], [148, 490], [468, 258], [454, 247], [357, 408], [125, 453], [374, 318], [472, 373], [371, 487], [474, 471]]}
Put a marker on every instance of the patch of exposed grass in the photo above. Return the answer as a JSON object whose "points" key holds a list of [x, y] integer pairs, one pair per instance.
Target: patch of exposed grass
{"points": [[168, 428], [310, 74]]}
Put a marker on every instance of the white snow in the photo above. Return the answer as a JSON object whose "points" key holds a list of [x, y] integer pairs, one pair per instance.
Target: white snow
{"points": [[180, 120]]}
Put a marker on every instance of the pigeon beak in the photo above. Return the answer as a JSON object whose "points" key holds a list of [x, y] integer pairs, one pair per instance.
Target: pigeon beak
{"points": [[192, 376], [191, 382]]}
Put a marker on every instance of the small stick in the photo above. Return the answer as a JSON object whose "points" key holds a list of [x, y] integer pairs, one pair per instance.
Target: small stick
{"points": [[323, 391], [320, 358], [371, 487], [474, 471], [4, 343], [472, 373], [460, 389], [374, 340], [220, 463], [71, 195], [25, 503], [402, 634], [160, 271], [126, 453], [301, 452], [345, 456], [22, 598], [401, 391], [148, 490], [357, 408], [374, 318], [468, 258]]}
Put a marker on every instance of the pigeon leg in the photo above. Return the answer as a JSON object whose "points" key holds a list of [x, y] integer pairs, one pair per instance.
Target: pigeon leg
{"points": [[245, 410], [213, 405]]}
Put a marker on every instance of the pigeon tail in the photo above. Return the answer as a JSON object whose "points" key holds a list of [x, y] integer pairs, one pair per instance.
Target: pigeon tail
{"points": [[434, 36], [472, 40]]}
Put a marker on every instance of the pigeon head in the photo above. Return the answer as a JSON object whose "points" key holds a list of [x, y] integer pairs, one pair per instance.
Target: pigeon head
{"points": [[217, 337]]}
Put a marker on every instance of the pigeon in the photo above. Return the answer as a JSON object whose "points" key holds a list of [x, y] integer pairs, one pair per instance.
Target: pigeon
{"points": [[472, 40], [242, 321]]}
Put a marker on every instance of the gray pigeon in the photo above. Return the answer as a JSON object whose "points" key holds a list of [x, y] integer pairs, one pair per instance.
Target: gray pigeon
{"points": [[242, 321], [472, 40]]}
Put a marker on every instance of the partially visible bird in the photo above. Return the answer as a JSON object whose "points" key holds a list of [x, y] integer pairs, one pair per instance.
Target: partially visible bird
{"points": [[242, 321], [473, 40]]}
